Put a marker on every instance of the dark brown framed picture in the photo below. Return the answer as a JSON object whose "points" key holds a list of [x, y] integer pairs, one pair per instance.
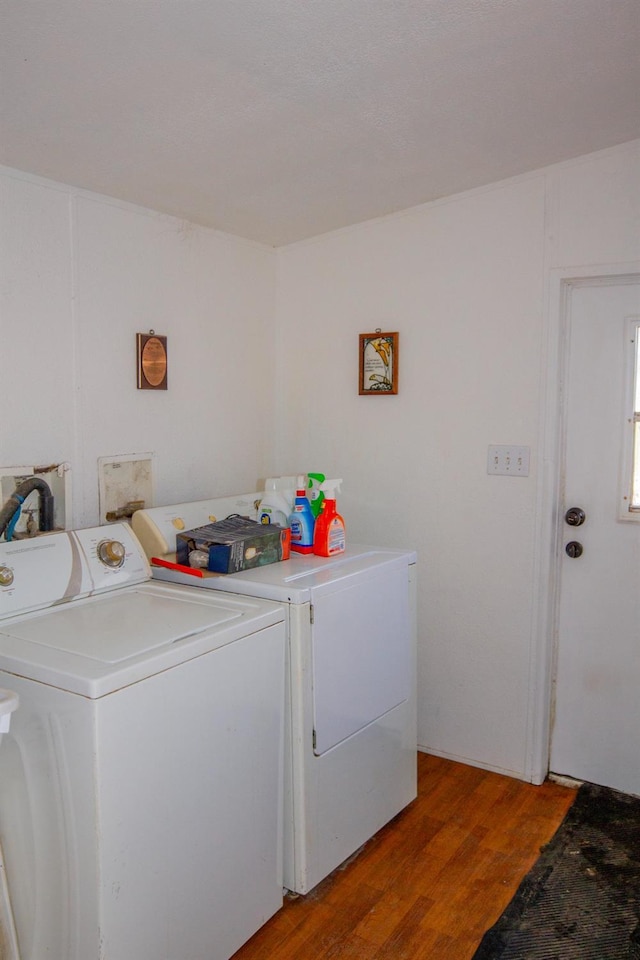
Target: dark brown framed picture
{"points": [[378, 368], [152, 361]]}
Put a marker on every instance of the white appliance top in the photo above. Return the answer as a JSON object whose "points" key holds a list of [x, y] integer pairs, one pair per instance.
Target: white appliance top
{"points": [[299, 579], [291, 581], [70, 621]]}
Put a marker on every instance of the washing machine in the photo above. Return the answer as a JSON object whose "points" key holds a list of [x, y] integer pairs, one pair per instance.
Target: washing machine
{"points": [[351, 738], [8, 941], [141, 778], [8, 703]]}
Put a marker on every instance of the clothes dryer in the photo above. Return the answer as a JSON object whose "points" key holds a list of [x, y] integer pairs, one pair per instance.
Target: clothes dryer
{"points": [[351, 739]]}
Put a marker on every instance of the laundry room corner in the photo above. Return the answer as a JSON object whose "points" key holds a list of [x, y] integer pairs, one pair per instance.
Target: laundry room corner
{"points": [[81, 276]]}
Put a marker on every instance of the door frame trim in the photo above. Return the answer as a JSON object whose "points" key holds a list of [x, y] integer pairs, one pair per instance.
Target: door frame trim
{"points": [[547, 556]]}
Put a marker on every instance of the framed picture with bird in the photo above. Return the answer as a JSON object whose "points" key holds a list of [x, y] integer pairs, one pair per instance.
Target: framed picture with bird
{"points": [[378, 366]]}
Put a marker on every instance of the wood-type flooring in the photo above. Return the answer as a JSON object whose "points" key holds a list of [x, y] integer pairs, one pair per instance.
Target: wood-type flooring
{"points": [[429, 884]]}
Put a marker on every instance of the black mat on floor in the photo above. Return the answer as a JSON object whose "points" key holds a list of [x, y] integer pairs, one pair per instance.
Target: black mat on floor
{"points": [[581, 900]]}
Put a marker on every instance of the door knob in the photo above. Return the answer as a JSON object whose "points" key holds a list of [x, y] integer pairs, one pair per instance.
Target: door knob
{"points": [[575, 516], [573, 549]]}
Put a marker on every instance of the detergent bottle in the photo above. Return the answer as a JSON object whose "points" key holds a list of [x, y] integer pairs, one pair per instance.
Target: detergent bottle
{"points": [[301, 521], [277, 501], [329, 534]]}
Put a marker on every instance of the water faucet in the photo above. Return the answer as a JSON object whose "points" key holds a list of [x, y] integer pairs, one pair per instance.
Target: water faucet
{"points": [[20, 494]]}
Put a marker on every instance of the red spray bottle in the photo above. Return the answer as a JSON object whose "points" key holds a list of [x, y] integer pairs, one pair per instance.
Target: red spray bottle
{"points": [[329, 533]]}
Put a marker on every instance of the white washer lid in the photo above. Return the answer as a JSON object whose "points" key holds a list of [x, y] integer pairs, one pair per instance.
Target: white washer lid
{"points": [[99, 644]]}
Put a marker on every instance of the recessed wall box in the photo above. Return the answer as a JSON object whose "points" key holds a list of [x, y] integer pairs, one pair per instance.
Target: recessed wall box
{"points": [[125, 483], [57, 476]]}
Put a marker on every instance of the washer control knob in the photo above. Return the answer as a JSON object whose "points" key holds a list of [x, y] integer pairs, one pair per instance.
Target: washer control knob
{"points": [[6, 576], [111, 553]]}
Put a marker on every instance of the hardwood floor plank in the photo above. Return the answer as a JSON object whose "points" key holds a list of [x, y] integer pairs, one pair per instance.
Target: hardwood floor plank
{"points": [[429, 884], [384, 919], [398, 945]]}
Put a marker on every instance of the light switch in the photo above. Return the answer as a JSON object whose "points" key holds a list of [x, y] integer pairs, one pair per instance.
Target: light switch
{"points": [[508, 460]]}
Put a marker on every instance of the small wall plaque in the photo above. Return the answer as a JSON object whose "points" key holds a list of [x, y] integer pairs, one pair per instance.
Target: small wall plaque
{"points": [[152, 361], [378, 368]]}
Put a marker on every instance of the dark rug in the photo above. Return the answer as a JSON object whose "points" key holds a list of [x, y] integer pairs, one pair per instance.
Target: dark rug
{"points": [[581, 900]]}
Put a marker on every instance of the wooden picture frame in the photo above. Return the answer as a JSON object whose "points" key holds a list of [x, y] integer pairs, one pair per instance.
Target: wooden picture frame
{"points": [[378, 365], [152, 361]]}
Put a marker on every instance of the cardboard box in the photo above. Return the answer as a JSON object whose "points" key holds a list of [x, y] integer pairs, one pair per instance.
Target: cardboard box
{"points": [[235, 544]]}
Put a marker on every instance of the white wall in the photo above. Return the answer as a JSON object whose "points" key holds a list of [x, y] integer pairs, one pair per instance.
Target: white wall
{"points": [[80, 276], [465, 283]]}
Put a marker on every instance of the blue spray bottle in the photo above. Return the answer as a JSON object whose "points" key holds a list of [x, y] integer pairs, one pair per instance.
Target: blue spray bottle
{"points": [[301, 521]]}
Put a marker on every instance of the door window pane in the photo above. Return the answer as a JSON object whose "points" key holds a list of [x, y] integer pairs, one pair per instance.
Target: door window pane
{"points": [[635, 501], [635, 419]]}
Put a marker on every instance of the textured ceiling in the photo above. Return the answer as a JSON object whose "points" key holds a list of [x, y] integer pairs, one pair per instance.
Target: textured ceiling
{"points": [[280, 119]]}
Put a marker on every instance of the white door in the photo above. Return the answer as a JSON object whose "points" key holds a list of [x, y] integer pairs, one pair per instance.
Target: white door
{"points": [[596, 733]]}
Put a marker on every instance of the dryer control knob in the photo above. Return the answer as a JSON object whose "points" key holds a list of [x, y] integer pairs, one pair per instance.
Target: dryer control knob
{"points": [[111, 553], [6, 576]]}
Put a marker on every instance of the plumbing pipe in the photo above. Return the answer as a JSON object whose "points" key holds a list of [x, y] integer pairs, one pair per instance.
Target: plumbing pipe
{"points": [[18, 497]]}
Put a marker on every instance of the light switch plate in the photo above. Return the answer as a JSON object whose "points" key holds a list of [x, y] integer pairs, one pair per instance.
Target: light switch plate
{"points": [[508, 460]]}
